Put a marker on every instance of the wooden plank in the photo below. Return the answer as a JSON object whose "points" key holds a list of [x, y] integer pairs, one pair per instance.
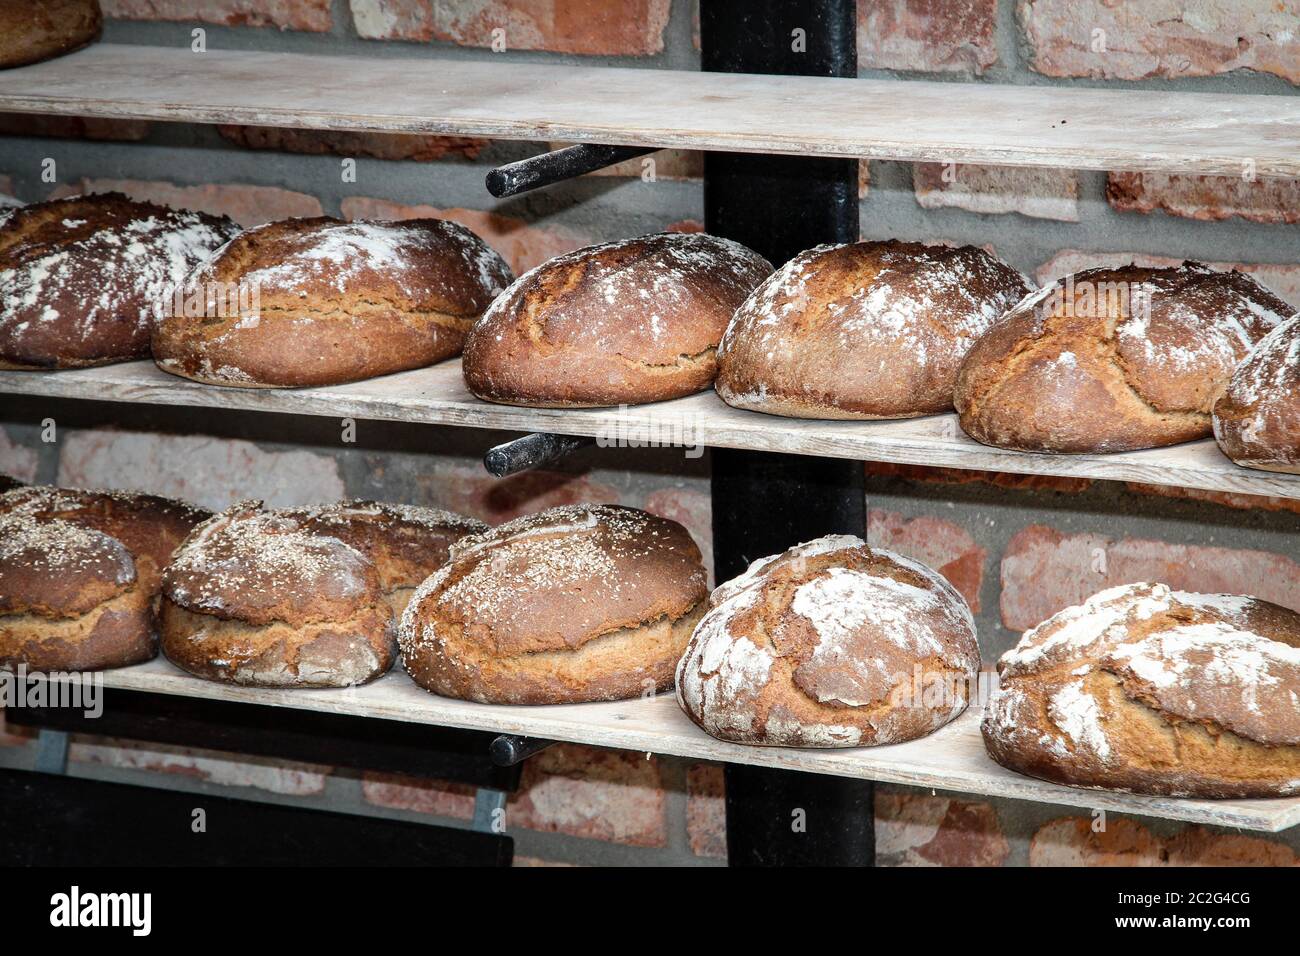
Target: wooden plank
{"points": [[877, 119], [952, 758], [438, 395]]}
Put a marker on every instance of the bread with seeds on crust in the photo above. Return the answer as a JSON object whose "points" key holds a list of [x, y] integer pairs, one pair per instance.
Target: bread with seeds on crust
{"points": [[577, 603], [1155, 691], [830, 644], [618, 323]]}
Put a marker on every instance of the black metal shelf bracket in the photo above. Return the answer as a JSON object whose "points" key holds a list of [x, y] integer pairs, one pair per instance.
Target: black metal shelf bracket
{"points": [[547, 169], [532, 451]]}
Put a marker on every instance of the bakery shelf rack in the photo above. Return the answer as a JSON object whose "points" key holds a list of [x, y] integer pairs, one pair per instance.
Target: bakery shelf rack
{"points": [[781, 131]]}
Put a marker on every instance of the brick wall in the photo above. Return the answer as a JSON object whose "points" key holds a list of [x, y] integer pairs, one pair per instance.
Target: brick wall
{"points": [[1018, 548]]}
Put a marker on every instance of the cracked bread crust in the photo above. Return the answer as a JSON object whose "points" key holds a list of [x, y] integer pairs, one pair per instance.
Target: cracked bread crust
{"points": [[255, 597], [578, 603], [1257, 421], [864, 330], [69, 598], [336, 302], [31, 32], [1154, 691], [1066, 372], [830, 644], [625, 322]]}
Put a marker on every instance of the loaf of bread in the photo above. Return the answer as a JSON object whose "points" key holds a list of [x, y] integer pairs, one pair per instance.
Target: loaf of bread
{"points": [[864, 330], [1257, 421], [620, 323], [35, 30], [308, 302], [830, 644], [578, 603], [252, 597], [1113, 359], [82, 279], [407, 543], [1149, 690]]}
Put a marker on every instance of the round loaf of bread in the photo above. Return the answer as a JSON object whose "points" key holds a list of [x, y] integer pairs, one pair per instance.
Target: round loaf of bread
{"points": [[864, 330], [578, 603], [252, 597], [82, 280], [321, 301], [1149, 690], [619, 323], [70, 598], [407, 543], [34, 31], [830, 644], [1257, 421], [1113, 359]]}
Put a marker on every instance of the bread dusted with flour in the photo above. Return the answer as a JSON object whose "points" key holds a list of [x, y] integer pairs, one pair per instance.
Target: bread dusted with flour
{"points": [[619, 323], [1149, 690], [35, 30], [254, 597], [830, 644], [83, 280], [1257, 421], [863, 330], [1113, 359], [307, 302], [578, 603]]}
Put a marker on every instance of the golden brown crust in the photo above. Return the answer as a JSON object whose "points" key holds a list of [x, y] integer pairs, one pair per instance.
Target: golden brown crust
{"points": [[1257, 421], [82, 279], [863, 330], [328, 301], [623, 322], [585, 602], [830, 644], [1155, 691], [1113, 359], [34, 31]]}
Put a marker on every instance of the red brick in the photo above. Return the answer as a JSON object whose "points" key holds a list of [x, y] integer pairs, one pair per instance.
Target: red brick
{"points": [[933, 36], [1070, 841], [321, 142], [276, 776], [14, 736], [1174, 40], [532, 861], [17, 461], [468, 489], [1206, 197], [310, 15], [247, 205], [1045, 570], [691, 509], [706, 810], [1038, 193], [685, 225], [958, 476], [437, 797], [393, 19], [1225, 499], [73, 127], [1197, 846], [591, 27], [522, 245], [935, 542], [598, 794], [917, 829]]}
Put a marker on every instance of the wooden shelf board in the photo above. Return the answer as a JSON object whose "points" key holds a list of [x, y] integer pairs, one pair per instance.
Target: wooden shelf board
{"points": [[438, 395], [952, 758], [1154, 130]]}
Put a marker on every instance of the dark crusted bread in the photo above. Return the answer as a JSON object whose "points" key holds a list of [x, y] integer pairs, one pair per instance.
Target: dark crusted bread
{"points": [[1257, 421], [82, 280], [70, 598], [830, 644], [1113, 359], [619, 323], [578, 603], [328, 301], [864, 330], [407, 543], [252, 597], [1149, 690], [8, 483], [35, 30]]}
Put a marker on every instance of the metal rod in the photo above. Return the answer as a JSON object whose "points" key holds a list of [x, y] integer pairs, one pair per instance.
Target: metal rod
{"points": [[531, 451], [557, 166], [510, 749]]}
